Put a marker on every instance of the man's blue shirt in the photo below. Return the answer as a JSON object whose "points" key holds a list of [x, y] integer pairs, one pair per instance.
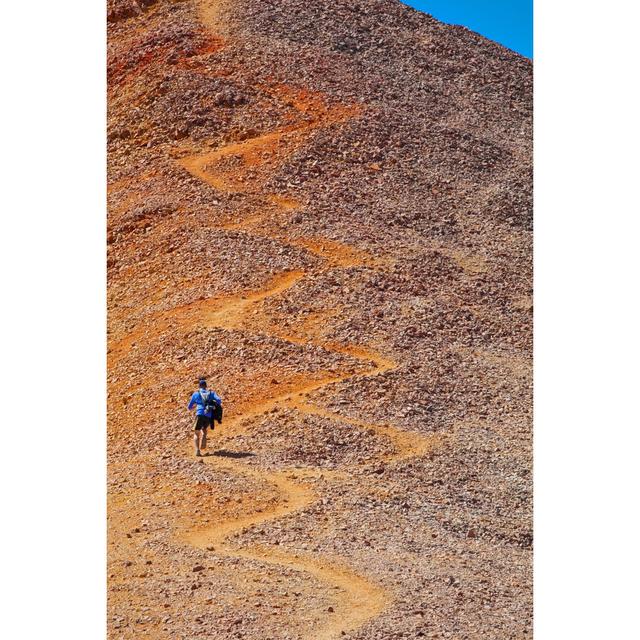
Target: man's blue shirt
{"points": [[198, 402]]}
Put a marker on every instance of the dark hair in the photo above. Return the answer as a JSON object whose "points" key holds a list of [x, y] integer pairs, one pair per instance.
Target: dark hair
{"points": [[202, 382]]}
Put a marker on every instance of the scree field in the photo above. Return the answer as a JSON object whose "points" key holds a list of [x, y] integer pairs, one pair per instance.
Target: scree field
{"points": [[325, 208]]}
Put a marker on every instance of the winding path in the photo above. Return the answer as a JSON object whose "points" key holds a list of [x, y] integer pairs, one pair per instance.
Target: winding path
{"points": [[359, 599]]}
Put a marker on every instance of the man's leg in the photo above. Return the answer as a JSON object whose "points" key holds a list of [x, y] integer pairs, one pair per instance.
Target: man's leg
{"points": [[203, 445], [196, 434], [196, 440]]}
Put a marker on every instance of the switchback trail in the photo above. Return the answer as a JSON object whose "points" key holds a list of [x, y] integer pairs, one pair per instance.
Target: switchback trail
{"points": [[359, 599]]}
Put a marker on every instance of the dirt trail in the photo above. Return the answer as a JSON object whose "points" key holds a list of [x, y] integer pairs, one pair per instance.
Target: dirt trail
{"points": [[358, 599]]}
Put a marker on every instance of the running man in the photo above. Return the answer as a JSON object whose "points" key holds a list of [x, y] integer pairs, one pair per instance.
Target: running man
{"points": [[205, 402]]}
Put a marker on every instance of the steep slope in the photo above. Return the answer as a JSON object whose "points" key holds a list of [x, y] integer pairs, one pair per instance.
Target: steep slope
{"points": [[326, 208]]}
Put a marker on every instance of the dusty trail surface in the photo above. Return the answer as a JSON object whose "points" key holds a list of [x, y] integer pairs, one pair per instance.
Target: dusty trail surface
{"points": [[359, 599], [325, 208]]}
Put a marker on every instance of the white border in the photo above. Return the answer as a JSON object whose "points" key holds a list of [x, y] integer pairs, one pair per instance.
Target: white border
{"points": [[53, 336], [586, 325]]}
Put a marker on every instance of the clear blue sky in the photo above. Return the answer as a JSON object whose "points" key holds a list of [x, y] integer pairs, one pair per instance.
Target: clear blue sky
{"points": [[509, 22]]}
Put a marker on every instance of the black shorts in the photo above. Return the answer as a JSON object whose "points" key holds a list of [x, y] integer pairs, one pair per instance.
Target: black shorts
{"points": [[202, 422]]}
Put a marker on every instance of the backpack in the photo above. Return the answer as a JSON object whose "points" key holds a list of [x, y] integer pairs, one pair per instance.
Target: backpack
{"points": [[207, 400]]}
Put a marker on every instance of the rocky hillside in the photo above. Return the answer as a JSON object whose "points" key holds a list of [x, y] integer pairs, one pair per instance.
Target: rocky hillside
{"points": [[325, 207]]}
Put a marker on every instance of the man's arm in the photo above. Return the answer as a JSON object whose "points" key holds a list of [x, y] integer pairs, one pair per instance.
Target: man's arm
{"points": [[217, 398], [192, 402]]}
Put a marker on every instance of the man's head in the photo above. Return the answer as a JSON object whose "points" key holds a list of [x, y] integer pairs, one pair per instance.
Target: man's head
{"points": [[202, 383]]}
